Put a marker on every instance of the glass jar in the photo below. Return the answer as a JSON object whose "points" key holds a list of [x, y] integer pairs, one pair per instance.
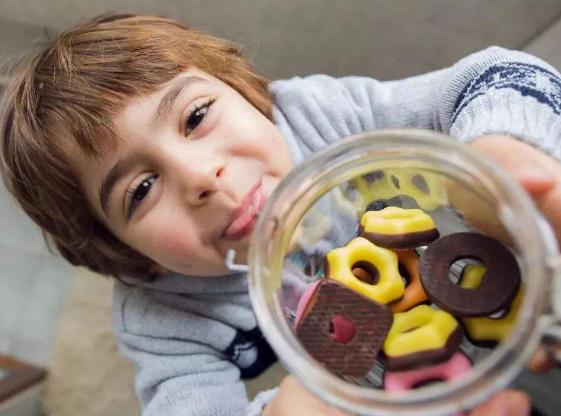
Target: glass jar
{"points": [[462, 191]]}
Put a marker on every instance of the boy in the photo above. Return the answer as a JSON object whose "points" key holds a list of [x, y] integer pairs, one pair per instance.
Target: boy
{"points": [[145, 150]]}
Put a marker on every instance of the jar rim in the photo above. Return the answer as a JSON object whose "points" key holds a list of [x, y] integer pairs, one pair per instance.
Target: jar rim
{"points": [[492, 373]]}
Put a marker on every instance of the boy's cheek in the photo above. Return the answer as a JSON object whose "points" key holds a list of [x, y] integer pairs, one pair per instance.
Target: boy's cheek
{"points": [[171, 247]]}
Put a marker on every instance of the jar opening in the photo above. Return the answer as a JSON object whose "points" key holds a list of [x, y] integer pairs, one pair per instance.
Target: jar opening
{"points": [[317, 209]]}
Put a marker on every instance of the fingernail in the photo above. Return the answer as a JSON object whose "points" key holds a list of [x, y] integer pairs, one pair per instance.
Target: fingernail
{"points": [[535, 180]]}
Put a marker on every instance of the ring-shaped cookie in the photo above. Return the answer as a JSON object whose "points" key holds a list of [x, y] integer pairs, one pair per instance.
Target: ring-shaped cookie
{"points": [[373, 187], [455, 367], [380, 263], [341, 329], [497, 289], [399, 228], [370, 187], [419, 336], [414, 293], [488, 329], [426, 188]]}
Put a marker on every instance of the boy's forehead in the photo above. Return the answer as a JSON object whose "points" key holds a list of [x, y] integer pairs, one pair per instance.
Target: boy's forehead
{"points": [[81, 162]]}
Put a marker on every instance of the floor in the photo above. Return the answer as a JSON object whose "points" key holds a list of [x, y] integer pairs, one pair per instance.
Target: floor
{"points": [[34, 284]]}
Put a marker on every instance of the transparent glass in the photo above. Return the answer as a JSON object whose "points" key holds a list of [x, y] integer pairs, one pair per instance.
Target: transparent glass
{"points": [[460, 190]]}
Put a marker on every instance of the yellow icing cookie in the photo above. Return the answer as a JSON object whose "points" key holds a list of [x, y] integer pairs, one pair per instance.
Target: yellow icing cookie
{"points": [[421, 335], [395, 227], [487, 328], [379, 264], [426, 188]]}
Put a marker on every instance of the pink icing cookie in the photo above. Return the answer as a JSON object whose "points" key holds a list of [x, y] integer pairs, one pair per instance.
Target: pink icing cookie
{"points": [[343, 328], [455, 367], [305, 300]]}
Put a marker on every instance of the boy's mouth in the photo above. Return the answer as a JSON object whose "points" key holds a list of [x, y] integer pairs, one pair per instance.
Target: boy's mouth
{"points": [[243, 218]]}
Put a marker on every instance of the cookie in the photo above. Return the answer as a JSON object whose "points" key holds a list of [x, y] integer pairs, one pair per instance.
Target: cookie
{"points": [[496, 291], [343, 330]]}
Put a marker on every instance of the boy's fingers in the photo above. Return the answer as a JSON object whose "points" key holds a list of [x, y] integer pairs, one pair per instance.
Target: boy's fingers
{"points": [[506, 403], [515, 155], [545, 190], [541, 361], [536, 182], [539, 174], [296, 400], [549, 205]]}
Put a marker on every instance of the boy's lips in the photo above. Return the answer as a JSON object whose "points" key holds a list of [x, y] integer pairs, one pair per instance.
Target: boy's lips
{"points": [[243, 218]]}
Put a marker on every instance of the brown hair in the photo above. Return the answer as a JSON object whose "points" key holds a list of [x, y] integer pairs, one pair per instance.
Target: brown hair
{"points": [[72, 91]]}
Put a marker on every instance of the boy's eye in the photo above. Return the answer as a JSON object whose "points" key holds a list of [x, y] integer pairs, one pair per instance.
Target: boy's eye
{"points": [[197, 116], [140, 192]]}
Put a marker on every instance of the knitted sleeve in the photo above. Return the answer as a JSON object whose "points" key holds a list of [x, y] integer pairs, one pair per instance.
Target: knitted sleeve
{"points": [[181, 367], [492, 91]]}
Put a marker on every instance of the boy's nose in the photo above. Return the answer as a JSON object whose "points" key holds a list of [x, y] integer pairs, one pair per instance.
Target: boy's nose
{"points": [[203, 180]]}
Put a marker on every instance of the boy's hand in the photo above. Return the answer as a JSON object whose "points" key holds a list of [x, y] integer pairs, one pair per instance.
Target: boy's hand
{"points": [[539, 174], [294, 399]]}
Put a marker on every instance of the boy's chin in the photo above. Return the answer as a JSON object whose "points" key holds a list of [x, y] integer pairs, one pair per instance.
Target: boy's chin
{"points": [[218, 268]]}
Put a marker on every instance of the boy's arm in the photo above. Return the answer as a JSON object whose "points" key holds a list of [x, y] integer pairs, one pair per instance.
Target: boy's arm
{"points": [[184, 379], [492, 91], [182, 367]]}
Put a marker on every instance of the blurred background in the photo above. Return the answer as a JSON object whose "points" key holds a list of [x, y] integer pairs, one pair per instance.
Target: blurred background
{"points": [[56, 317]]}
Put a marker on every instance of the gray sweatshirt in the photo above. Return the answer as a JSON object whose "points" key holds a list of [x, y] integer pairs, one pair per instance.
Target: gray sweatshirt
{"points": [[193, 339]]}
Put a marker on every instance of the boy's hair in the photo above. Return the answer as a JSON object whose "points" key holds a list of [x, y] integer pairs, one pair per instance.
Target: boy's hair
{"points": [[70, 94]]}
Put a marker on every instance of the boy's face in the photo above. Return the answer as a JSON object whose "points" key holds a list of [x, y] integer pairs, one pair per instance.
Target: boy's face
{"points": [[194, 167]]}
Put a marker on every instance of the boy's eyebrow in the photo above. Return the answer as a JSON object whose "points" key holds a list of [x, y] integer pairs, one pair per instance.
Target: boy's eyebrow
{"points": [[109, 181], [166, 103]]}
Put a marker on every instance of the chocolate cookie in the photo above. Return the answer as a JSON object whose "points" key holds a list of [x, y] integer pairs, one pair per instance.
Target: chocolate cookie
{"points": [[496, 291], [343, 330]]}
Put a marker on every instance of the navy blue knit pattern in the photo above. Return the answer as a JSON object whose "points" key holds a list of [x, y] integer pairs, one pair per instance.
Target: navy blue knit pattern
{"points": [[528, 80], [251, 352]]}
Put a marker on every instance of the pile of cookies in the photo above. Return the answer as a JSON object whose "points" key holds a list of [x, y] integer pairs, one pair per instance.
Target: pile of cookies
{"points": [[379, 301]]}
